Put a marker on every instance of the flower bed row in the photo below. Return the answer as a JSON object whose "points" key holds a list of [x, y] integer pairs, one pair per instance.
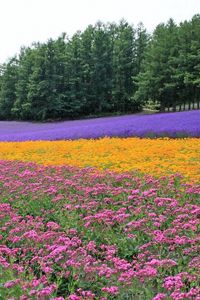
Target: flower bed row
{"points": [[69, 233], [158, 157], [179, 124]]}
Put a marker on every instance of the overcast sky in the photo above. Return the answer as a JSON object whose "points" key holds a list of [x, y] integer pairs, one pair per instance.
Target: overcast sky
{"points": [[25, 21]]}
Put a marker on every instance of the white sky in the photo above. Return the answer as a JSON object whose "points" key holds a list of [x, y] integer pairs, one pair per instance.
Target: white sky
{"points": [[25, 21]]}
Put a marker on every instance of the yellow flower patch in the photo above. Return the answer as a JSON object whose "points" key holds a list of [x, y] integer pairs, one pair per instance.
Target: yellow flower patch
{"points": [[150, 156]]}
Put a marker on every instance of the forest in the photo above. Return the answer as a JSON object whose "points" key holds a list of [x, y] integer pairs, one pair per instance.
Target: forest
{"points": [[112, 68]]}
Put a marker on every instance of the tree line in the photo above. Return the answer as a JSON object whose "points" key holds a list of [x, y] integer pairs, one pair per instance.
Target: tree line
{"points": [[107, 68]]}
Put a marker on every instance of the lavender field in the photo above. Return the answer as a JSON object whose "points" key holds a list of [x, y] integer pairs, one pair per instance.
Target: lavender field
{"points": [[179, 124]]}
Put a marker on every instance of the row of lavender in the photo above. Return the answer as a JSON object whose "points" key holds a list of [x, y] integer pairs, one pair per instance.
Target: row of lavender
{"points": [[180, 124]]}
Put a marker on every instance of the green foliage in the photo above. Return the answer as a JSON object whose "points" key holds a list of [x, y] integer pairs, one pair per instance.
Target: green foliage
{"points": [[8, 80], [170, 70], [107, 68]]}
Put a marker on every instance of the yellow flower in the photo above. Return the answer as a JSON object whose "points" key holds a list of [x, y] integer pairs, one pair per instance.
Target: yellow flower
{"points": [[150, 156]]}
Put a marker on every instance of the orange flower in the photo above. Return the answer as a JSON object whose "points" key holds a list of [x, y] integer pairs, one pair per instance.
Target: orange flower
{"points": [[152, 156]]}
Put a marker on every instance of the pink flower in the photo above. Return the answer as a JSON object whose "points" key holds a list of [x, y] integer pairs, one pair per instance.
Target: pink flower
{"points": [[53, 226], [147, 272], [91, 246], [178, 295], [160, 296], [45, 292], [23, 297], [32, 234], [11, 283], [113, 290]]}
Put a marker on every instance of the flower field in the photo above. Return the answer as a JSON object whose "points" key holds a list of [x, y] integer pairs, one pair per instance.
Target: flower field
{"points": [[179, 124], [157, 157], [110, 218]]}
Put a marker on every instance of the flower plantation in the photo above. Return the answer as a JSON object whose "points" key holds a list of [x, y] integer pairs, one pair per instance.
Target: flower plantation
{"points": [[71, 233], [111, 217], [159, 157], [179, 124]]}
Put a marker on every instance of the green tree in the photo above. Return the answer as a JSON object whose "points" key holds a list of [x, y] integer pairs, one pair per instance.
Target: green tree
{"points": [[9, 77], [46, 95], [123, 66], [21, 106], [156, 79], [87, 59], [76, 99], [102, 69]]}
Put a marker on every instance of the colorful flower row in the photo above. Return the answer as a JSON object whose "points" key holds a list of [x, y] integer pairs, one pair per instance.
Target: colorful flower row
{"points": [[69, 233], [159, 157], [180, 124]]}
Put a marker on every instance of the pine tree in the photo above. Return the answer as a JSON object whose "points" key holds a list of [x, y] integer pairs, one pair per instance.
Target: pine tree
{"points": [[156, 80], [9, 77], [123, 66], [102, 69]]}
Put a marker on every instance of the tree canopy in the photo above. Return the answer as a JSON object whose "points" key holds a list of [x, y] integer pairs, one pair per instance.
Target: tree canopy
{"points": [[107, 68]]}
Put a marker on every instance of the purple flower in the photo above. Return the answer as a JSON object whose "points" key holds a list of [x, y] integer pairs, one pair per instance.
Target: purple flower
{"points": [[179, 124]]}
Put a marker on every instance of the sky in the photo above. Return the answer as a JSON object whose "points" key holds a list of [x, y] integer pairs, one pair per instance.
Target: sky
{"points": [[25, 21]]}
